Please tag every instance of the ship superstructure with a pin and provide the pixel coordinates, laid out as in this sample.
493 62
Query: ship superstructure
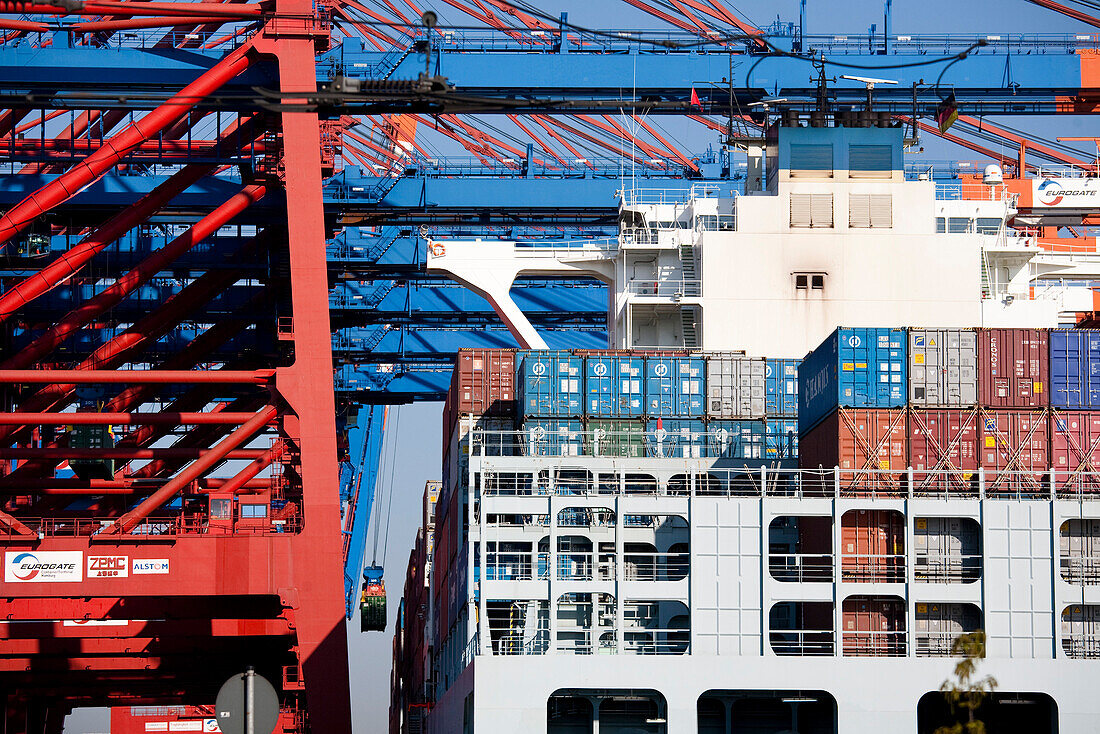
645 569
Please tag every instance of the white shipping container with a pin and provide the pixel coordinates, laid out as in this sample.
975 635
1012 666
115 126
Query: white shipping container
943 367
736 386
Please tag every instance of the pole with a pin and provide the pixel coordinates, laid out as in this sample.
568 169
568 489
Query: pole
249 700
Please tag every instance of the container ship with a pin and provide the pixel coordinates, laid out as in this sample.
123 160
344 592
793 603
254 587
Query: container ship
846 419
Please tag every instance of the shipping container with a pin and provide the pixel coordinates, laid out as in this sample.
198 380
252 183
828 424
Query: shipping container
675 386
736 386
782 387
553 437
486 435
943 367
1015 446
613 386
1081 631
744 439
551 384
1075 368
852 368
1079 550
872 546
781 438
1013 368
614 437
947 549
937 624
873 626
869 446
943 450
672 438
1075 450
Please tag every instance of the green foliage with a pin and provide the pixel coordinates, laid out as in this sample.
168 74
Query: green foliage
966 692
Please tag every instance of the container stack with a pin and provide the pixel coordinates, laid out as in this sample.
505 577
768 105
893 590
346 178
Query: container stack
1017 404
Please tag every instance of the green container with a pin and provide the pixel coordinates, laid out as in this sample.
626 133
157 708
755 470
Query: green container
614 437
372 614
92 437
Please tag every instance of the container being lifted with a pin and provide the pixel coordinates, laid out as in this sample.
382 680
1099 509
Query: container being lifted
372 604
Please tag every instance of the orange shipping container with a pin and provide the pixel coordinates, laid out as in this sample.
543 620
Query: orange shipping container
1075 450
869 446
943 450
1015 446
483 383
872 546
874 626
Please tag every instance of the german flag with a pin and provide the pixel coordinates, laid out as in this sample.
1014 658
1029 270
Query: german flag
947 113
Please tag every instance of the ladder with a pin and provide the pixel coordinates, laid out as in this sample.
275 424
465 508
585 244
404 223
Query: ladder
689 328
689 275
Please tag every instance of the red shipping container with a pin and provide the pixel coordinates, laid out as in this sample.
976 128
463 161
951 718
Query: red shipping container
868 445
1013 368
943 450
483 383
873 626
872 546
1075 450
1015 446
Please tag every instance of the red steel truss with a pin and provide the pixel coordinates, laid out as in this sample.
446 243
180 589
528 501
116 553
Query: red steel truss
132 576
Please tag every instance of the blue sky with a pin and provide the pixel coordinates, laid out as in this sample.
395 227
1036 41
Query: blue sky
419 438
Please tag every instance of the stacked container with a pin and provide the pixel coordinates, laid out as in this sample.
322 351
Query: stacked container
614 407
943 398
974 401
482 397
781 408
551 400
1013 398
851 407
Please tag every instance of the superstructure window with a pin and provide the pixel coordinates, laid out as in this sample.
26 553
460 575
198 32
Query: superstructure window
812 210
811 161
958 225
988 225
870 211
809 281
253 511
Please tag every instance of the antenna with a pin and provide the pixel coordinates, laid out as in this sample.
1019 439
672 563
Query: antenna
870 81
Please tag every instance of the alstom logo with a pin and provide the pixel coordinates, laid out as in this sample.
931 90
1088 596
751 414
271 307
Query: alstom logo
43 566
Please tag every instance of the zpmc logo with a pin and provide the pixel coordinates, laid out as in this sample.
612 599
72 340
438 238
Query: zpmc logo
1050 193
25 566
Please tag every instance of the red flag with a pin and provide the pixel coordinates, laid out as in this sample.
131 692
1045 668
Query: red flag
695 98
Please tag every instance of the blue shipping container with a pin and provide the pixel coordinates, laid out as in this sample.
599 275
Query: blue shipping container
550 383
676 439
853 368
553 437
736 439
782 439
613 386
1075 368
675 386
781 378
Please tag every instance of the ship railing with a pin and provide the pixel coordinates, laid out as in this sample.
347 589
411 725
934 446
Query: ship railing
656 641
1051 171
174 525
1081 647
799 567
947 568
877 644
1083 570
674 289
935 644
804 643
512 641
508 566
648 566
883 568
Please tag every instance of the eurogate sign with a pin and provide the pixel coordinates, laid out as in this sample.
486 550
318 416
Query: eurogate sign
1065 193
43 566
